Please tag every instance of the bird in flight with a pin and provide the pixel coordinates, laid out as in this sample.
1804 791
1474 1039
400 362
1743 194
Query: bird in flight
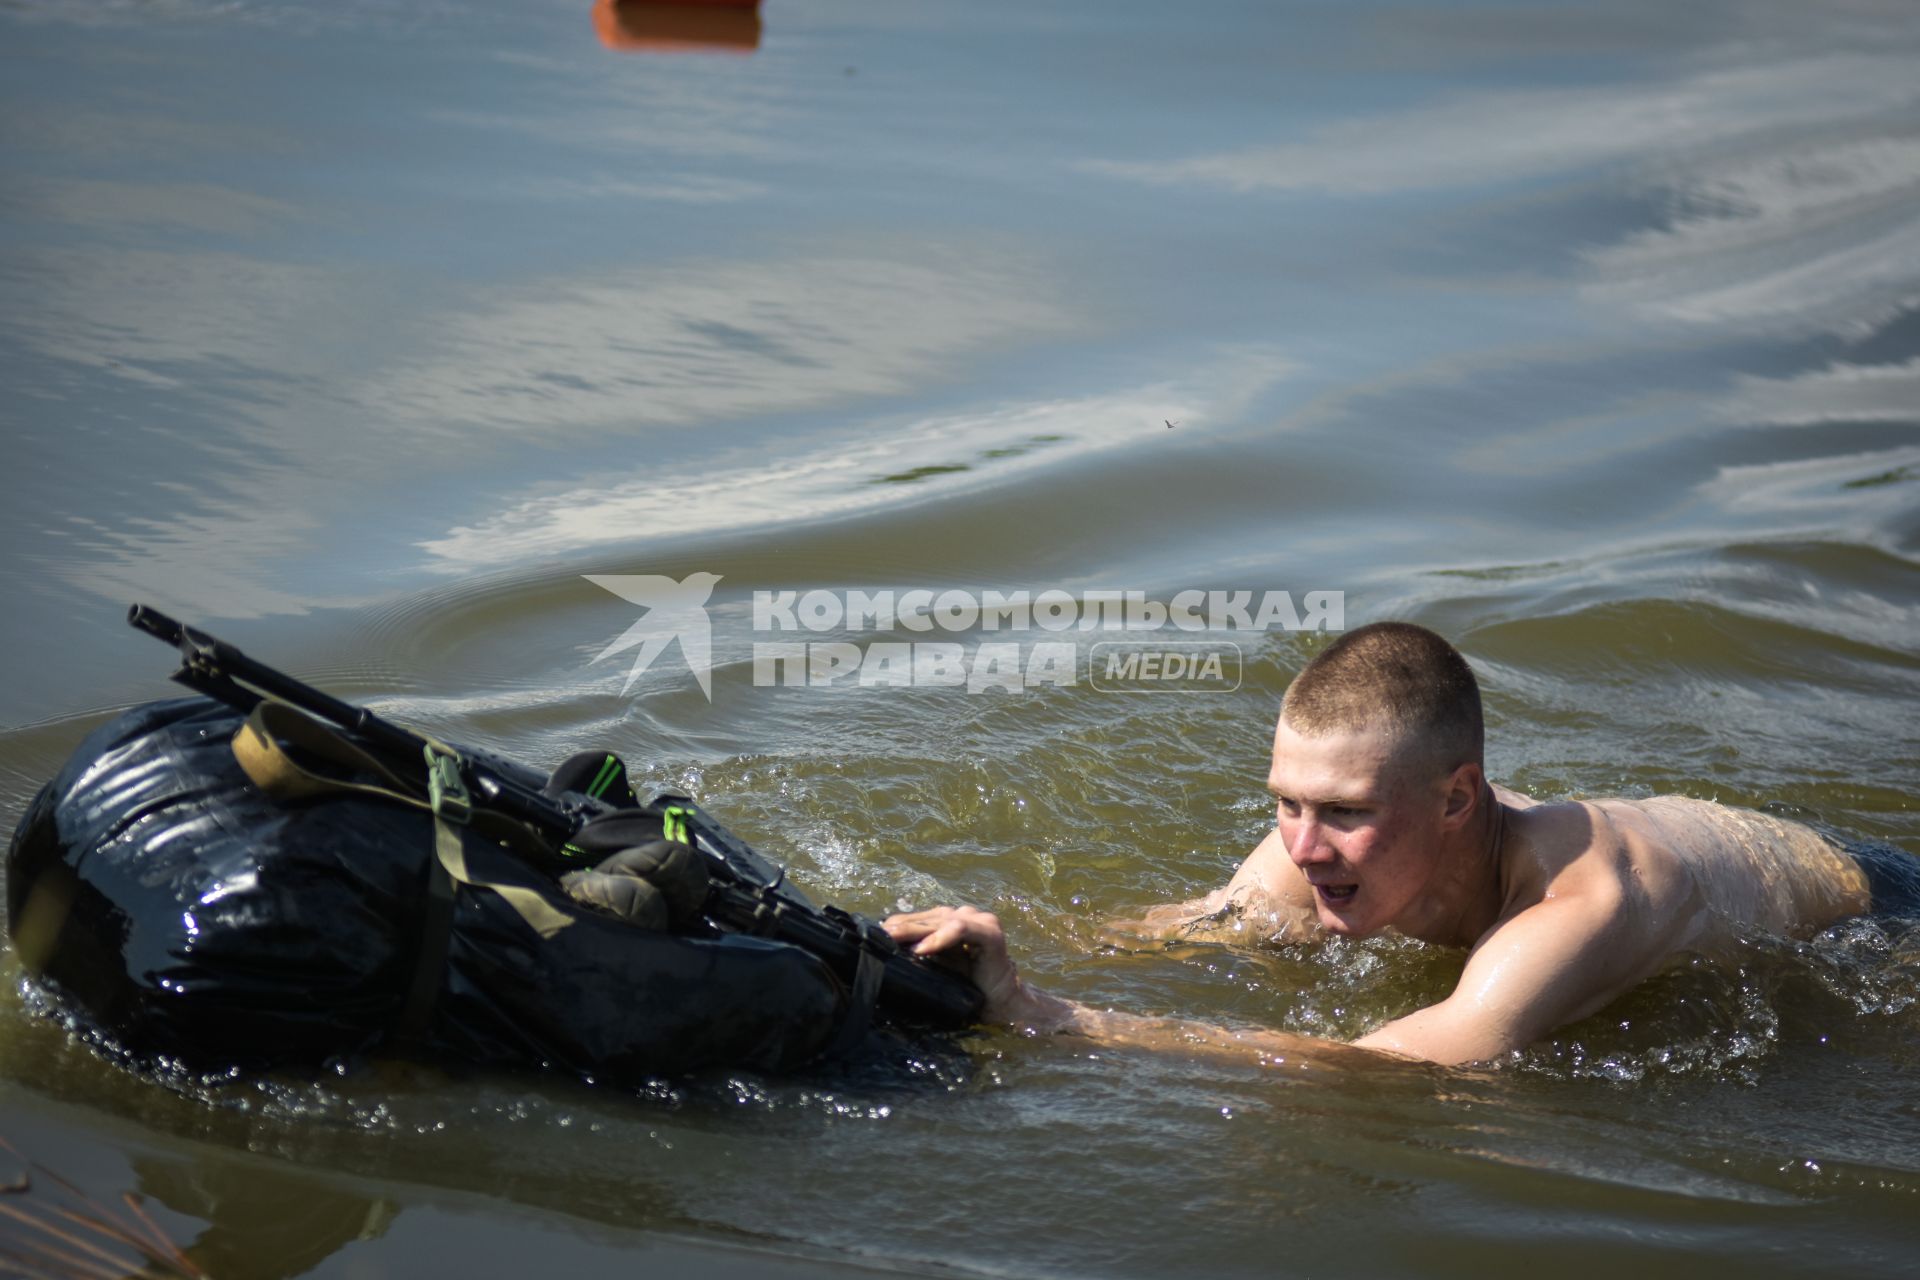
1170 425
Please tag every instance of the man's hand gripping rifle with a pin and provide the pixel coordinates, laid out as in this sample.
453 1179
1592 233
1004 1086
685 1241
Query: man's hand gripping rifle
746 894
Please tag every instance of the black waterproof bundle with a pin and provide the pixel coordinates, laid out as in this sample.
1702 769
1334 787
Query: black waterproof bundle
166 899
277 877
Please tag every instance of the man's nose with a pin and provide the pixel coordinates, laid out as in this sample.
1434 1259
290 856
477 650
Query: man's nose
1306 845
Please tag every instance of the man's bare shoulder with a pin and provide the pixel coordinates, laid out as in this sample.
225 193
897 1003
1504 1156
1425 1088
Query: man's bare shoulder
1583 919
1267 900
1551 838
1512 799
1576 852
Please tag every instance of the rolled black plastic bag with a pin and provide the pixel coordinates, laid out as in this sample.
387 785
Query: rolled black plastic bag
156 893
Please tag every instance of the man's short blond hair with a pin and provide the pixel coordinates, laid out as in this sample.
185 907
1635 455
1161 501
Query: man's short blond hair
1398 677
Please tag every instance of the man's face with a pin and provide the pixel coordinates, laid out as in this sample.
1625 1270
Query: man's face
1359 822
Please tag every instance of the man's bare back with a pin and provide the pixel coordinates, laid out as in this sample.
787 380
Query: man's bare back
1751 871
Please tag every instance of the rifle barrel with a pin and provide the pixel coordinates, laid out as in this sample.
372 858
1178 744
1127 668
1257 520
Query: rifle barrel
203 655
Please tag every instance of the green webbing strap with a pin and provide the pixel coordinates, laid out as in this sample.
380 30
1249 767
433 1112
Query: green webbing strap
673 824
542 916
609 770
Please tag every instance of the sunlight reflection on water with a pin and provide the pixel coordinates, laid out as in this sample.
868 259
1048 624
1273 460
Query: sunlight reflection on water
1583 333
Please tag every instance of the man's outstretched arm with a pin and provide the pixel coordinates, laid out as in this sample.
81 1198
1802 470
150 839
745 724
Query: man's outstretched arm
1549 965
1011 1001
1553 963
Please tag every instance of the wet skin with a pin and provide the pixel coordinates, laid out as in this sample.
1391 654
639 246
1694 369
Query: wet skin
1564 907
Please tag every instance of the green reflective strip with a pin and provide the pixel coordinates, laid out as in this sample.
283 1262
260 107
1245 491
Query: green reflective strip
605 776
673 824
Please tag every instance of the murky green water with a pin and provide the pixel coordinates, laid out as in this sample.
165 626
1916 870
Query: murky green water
1583 333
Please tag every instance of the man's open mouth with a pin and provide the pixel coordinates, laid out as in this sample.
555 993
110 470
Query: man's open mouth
1337 892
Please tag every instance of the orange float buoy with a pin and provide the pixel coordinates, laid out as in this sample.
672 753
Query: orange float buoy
687 26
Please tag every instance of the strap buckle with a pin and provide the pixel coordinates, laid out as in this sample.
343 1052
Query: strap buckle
446 791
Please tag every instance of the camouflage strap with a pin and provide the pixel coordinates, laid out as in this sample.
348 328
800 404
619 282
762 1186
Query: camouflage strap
257 746
261 746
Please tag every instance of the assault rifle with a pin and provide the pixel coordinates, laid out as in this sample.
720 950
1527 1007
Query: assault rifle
747 894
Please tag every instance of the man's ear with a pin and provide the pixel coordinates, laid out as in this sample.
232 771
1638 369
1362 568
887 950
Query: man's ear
1462 796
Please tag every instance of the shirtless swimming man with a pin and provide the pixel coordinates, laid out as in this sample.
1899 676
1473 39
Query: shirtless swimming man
1386 820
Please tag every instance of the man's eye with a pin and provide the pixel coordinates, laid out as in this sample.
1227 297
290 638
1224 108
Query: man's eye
1287 805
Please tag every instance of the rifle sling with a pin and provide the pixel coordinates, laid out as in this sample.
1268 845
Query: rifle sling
261 747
